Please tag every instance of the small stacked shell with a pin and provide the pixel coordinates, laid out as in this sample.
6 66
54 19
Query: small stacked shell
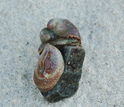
64 28
49 69
59 32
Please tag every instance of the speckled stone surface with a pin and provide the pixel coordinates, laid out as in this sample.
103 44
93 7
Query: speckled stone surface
101 25
69 81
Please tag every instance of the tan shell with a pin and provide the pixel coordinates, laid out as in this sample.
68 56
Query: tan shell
49 69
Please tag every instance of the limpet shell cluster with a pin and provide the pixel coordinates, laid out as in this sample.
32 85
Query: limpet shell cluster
61 58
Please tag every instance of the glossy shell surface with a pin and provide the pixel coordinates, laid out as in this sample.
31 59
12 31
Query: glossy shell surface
64 27
59 68
49 69
59 32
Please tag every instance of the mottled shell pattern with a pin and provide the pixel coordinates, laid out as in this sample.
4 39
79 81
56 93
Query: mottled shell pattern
50 68
59 32
64 28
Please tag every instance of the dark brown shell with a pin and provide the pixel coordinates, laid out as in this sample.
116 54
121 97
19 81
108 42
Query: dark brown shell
63 27
50 68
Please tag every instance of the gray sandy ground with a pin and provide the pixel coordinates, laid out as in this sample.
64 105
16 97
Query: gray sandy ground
101 25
